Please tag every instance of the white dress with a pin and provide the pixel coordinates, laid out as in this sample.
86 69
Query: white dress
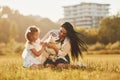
28 57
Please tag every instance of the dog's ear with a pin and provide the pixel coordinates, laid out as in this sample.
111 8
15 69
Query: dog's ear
53 34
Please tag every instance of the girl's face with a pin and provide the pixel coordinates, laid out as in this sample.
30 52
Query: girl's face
35 36
62 33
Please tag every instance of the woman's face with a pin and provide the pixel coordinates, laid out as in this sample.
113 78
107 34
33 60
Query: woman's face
62 33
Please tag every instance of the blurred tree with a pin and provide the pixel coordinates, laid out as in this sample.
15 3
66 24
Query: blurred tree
13 23
90 35
109 29
4 24
8 30
6 10
13 31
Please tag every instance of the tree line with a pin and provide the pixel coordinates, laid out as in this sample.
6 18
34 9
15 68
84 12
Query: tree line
108 31
13 25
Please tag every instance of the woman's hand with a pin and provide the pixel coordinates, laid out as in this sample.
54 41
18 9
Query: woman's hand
52 45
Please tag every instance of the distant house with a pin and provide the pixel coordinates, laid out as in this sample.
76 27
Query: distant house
85 14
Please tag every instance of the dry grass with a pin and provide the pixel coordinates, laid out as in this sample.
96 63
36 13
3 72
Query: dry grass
100 67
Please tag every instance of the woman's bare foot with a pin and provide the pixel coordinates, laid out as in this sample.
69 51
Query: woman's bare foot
49 65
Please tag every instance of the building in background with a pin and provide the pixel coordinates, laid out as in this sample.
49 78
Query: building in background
85 14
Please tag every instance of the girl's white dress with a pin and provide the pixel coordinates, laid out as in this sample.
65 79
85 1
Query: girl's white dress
28 57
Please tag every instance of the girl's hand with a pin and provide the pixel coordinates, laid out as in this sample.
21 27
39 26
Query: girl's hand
51 45
43 44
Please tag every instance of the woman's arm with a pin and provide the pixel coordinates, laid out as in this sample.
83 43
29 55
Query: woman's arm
46 36
54 33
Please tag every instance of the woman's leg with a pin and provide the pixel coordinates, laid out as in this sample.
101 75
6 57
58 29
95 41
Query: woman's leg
61 63
63 66
49 63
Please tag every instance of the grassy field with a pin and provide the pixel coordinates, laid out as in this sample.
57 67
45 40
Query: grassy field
99 67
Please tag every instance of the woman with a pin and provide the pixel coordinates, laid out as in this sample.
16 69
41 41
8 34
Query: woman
70 44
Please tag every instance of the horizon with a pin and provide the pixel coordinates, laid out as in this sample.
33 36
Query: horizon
53 9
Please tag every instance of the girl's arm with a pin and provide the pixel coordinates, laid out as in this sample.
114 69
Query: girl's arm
37 53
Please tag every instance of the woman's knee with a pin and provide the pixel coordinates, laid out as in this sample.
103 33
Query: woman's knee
62 65
49 65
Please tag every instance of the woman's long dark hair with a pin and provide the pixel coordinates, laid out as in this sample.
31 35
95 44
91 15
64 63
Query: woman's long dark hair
75 41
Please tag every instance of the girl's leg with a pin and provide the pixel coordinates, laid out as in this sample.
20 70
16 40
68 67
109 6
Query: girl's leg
36 66
40 66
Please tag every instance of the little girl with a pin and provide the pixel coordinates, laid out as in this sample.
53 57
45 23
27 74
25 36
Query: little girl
33 48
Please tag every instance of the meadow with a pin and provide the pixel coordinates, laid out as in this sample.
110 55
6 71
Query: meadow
99 67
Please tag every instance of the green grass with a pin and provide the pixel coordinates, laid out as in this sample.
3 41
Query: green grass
99 67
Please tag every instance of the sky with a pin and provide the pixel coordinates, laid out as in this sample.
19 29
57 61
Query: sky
52 9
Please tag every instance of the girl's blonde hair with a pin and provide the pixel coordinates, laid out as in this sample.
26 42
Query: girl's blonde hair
30 32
